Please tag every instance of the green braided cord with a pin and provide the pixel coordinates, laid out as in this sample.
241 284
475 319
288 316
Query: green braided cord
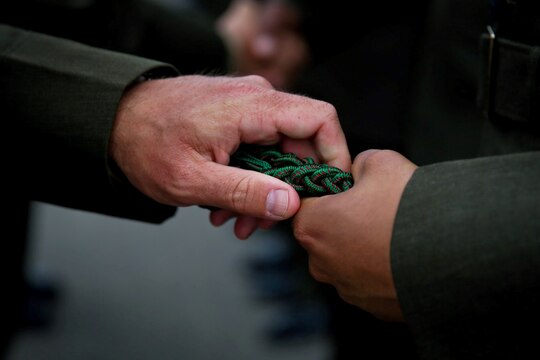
304 175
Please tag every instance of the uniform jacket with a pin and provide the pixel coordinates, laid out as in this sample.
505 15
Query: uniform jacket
465 249
61 99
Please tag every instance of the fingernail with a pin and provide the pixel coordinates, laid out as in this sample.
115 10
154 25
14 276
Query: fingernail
277 202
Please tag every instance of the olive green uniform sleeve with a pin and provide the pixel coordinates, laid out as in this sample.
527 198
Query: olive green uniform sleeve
59 100
466 257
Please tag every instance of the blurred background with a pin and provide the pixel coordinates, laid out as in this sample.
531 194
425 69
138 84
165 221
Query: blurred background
129 290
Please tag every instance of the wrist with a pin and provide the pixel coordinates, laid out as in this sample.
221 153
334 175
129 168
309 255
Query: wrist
132 92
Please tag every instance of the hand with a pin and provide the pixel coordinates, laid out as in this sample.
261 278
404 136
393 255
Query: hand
264 39
173 138
347 236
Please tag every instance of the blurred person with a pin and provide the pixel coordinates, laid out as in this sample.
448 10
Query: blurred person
264 38
124 136
243 37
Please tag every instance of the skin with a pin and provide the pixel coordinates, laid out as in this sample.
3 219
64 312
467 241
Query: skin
347 236
263 39
173 139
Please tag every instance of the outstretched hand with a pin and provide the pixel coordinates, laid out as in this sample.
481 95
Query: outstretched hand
347 236
173 138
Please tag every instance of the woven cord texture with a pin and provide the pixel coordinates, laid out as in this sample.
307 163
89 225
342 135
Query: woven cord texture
304 175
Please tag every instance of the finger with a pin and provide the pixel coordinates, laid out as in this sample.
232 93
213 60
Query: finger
298 117
301 147
331 145
245 226
220 217
247 193
317 120
265 224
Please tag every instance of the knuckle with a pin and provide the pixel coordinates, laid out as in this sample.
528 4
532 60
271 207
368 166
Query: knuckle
183 185
301 232
259 80
328 110
379 158
304 229
241 87
241 194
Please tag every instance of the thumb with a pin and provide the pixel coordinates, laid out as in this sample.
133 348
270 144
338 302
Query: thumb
249 193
